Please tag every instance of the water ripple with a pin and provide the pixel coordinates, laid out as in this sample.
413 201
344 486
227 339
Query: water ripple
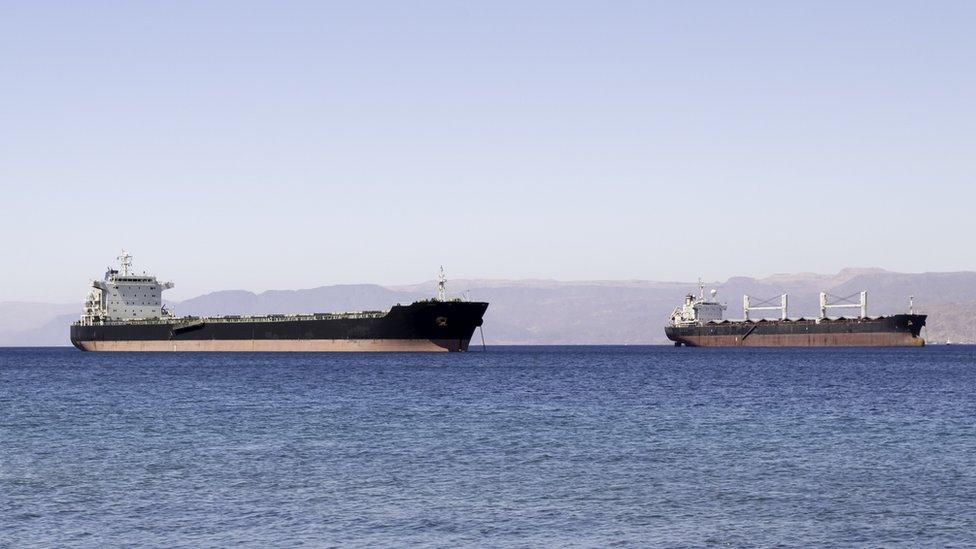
519 447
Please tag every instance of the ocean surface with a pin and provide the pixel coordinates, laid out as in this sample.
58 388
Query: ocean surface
520 447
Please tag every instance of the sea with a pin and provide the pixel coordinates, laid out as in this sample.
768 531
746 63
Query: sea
506 447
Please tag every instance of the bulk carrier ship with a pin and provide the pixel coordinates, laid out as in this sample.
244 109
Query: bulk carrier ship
125 312
700 322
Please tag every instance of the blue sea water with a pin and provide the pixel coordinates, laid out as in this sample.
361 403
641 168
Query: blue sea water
524 447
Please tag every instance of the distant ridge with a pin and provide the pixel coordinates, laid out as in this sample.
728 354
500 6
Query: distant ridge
565 312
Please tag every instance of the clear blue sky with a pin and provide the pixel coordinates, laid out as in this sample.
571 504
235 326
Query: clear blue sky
289 144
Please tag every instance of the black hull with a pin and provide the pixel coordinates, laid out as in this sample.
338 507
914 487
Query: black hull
422 326
889 331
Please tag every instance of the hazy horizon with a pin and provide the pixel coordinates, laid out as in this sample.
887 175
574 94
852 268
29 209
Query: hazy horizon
561 312
458 286
249 146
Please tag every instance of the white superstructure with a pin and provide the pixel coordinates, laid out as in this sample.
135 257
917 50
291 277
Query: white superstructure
696 311
122 295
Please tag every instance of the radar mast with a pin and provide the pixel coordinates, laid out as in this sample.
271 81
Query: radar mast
125 259
441 284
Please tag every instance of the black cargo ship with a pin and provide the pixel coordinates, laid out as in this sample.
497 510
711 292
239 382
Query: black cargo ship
124 312
421 326
886 331
700 323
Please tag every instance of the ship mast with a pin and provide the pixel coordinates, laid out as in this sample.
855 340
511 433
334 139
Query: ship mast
125 258
441 284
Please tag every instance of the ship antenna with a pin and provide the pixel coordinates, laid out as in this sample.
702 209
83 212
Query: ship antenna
701 289
441 284
125 258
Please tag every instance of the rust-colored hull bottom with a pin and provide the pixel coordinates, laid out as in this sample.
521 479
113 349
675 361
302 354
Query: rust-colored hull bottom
280 345
804 340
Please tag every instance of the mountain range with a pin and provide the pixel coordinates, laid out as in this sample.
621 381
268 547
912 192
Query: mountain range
526 312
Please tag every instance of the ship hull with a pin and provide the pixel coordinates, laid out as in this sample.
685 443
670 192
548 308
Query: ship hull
890 331
280 345
421 327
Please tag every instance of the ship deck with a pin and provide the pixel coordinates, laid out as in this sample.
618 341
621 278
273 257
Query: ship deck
242 318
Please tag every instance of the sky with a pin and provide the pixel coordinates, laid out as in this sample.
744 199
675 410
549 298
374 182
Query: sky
281 145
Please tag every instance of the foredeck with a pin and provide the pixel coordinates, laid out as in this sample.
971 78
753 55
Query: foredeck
182 320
